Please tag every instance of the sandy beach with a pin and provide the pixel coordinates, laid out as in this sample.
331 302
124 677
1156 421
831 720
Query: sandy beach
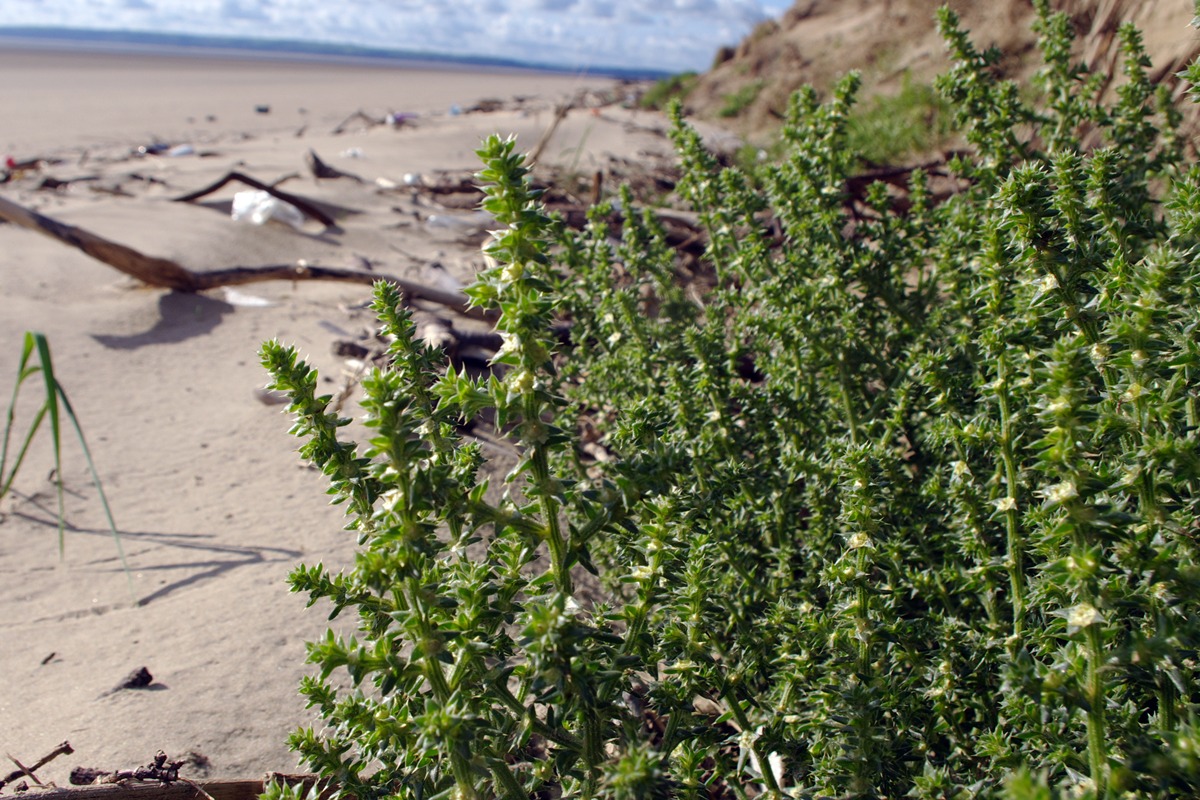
213 505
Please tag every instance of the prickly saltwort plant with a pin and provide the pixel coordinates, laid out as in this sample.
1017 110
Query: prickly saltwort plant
957 527
894 500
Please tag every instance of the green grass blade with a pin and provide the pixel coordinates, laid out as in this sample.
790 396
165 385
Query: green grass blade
37 421
52 391
23 372
87 454
37 342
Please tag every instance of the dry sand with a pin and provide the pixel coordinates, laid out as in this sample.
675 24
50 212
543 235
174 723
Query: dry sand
213 505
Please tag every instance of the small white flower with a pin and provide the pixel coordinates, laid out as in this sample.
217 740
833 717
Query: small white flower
522 381
1048 283
1006 504
961 470
1060 405
859 540
1081 616
642 572
509 343
1100 352
1060 493
1134 391
513 272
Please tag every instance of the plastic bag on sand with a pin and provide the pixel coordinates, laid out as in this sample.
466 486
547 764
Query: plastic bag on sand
257 208
459 223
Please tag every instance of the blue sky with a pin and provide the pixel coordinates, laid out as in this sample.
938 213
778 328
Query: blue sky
670 35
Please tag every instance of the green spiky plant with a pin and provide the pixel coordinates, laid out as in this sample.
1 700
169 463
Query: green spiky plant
902 502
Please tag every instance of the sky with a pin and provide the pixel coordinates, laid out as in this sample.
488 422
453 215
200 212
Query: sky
669 35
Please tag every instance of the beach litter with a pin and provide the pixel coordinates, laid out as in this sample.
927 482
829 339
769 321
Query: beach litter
399 119
459 224
260 207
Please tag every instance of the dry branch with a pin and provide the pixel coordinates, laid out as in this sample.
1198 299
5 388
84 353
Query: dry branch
306 207
63 749
357 116
167 274
560 114
321 170
178 790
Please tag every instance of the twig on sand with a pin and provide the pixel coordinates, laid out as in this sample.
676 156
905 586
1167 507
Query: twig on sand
306 207
321 170
560 114
166 274
358 116
63 749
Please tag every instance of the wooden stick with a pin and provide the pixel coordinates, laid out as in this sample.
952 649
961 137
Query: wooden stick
63 749
321 170
167 274
308 208
178 790
560 113
154 271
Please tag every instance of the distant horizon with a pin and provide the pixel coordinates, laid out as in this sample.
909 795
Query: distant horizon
617 37
35 37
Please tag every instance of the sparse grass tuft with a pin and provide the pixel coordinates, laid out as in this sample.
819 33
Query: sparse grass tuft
56 399
739 101
675 87
894 129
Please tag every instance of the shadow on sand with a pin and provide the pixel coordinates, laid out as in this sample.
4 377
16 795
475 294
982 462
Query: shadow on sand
181 316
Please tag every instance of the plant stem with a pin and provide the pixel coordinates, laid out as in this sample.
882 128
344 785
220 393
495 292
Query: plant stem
1097 748
1015 560
542 481
743 722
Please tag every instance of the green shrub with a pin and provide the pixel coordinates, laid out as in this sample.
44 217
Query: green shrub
904 505
663 92
737 102
914 122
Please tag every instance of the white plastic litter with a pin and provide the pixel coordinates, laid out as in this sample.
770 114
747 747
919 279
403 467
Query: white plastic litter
236 298
258 207
413 179
459 223
181 150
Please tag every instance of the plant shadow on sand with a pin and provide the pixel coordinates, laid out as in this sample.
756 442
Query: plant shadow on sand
147 548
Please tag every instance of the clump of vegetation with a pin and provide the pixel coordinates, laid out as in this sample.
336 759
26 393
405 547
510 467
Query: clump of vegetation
901 504
737 102
36 362
895 128
670 89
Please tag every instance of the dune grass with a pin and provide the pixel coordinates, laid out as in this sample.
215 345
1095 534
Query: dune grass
54 407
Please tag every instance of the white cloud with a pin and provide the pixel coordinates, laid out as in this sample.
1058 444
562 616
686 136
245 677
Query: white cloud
674 35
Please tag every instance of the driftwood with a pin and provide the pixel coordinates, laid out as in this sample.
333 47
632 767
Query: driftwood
167 274
22 771
560 114
321 170
176 790
358 116
305 207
